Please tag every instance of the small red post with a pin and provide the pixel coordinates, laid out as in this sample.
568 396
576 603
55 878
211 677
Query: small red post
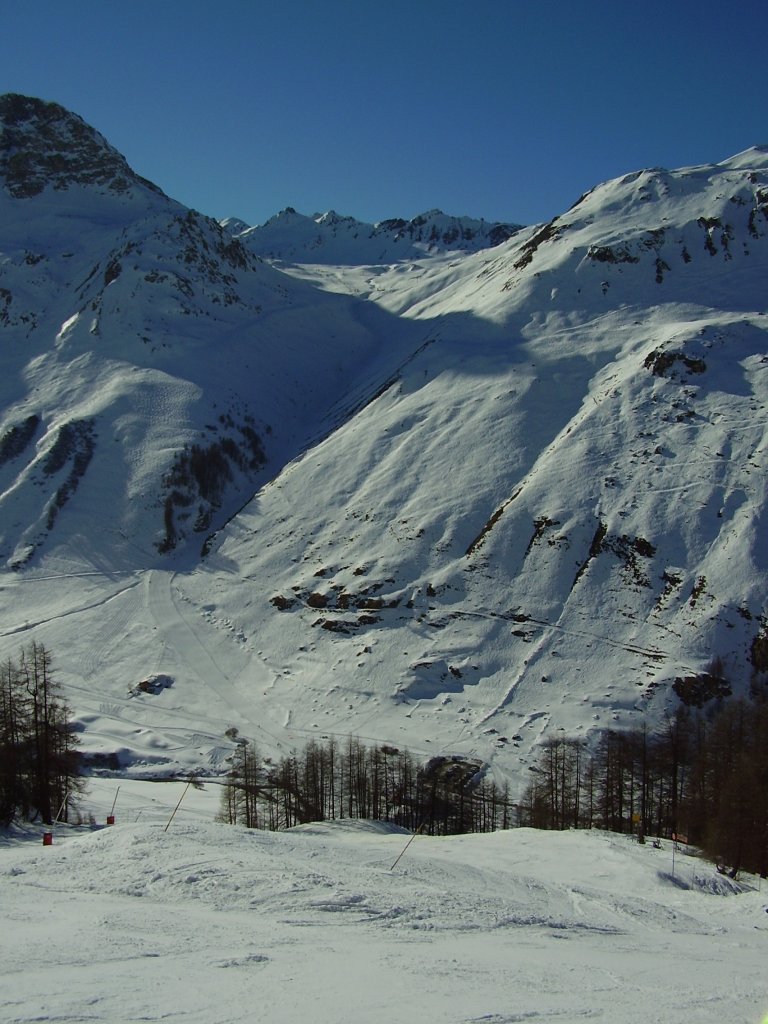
47 838
110 819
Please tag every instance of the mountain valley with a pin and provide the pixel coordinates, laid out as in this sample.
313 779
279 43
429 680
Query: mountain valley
452 485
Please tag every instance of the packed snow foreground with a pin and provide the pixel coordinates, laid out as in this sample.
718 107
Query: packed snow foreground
202 922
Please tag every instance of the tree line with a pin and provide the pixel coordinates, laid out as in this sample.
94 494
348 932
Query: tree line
329 780
39 763
702 777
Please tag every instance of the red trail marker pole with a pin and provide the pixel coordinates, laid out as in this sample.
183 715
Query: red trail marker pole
111 815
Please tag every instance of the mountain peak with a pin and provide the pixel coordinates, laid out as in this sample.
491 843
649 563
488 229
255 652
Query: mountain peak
755 156
43 145
334 238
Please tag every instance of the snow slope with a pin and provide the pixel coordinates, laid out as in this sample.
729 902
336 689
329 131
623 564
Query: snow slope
138 331
207 923
557 507
456 501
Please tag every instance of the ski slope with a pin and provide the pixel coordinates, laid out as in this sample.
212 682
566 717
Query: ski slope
210 923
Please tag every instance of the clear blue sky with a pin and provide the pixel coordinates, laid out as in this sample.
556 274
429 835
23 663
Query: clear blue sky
495 108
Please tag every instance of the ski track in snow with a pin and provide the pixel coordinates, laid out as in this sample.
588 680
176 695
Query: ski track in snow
78 609
189 643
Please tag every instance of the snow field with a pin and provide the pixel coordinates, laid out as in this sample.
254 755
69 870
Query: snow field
210 923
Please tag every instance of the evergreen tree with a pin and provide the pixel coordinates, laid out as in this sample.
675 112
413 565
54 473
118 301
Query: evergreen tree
39 763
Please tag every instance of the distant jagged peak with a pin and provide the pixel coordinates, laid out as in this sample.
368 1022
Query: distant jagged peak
288 214
443 231
331 218
42 145
234 225
332 237
281 219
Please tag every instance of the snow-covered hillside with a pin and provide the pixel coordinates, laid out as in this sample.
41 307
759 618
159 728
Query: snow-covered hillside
455 501
207 922
155 370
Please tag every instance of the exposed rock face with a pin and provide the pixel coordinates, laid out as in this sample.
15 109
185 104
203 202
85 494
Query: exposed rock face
43 145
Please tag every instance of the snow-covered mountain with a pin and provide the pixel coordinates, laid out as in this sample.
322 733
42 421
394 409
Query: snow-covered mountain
453 500
328 238
156 371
